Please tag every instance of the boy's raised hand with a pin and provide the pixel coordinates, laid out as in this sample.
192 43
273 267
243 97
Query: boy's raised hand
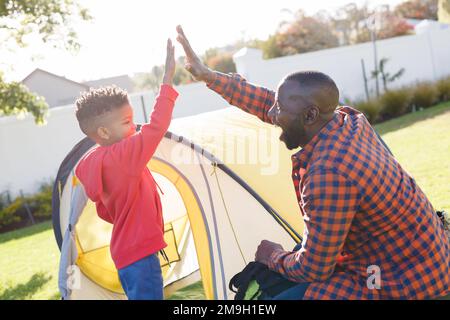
193 63
169 70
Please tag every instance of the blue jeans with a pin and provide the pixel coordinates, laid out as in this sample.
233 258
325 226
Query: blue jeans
294 293
143 279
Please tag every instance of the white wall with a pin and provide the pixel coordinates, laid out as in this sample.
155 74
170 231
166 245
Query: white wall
424 56
193 99
30 154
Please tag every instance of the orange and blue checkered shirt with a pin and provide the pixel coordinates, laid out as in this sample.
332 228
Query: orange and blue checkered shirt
362 212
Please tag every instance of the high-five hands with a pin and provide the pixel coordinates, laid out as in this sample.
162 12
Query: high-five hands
193 63
169 70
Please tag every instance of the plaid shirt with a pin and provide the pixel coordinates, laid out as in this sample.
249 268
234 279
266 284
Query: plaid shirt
363 212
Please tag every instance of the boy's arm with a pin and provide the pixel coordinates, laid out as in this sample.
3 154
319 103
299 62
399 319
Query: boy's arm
233 88
135 152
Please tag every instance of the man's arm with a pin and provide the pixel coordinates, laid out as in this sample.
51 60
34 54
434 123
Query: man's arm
330 204
233 88
246 96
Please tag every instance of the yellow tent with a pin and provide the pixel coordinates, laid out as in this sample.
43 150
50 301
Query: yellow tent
226 183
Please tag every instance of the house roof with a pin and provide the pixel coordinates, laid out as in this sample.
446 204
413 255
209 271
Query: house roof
56 76
123 81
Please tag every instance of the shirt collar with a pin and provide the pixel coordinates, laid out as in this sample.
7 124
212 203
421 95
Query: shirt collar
304 155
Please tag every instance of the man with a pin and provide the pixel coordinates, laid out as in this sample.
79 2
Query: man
370 232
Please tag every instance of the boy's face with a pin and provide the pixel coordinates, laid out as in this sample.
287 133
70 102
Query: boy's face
119 124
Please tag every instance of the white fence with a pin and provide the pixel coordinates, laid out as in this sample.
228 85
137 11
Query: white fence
424 56
30 154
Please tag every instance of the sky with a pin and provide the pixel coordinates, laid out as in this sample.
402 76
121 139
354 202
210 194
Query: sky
130 36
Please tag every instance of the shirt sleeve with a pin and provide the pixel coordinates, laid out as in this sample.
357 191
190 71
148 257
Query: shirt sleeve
248 97
133 153
330 202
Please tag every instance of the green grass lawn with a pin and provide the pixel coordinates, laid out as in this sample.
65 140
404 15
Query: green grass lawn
29 257
421 143
29 261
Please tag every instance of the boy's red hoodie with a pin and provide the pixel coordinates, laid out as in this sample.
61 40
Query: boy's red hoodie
117 179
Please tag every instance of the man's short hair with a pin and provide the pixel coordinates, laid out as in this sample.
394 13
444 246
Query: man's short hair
92 104
327 93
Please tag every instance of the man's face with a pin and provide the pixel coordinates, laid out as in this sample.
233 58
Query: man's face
287 113
119 124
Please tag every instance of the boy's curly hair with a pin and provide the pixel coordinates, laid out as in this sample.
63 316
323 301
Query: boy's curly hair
92 104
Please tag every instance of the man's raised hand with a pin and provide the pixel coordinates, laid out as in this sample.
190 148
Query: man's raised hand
169 70
193 63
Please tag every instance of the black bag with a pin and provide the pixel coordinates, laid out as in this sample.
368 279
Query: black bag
269 283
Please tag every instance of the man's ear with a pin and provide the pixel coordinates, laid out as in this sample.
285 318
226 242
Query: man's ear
103 133
311 115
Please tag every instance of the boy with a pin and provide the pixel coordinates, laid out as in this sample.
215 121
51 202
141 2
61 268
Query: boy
116 178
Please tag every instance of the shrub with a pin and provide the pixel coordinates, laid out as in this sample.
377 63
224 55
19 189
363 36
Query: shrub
370 108
41 202
8 214
14 215
443 88
394 103
424 95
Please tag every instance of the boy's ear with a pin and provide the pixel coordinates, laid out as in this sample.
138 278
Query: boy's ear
103 133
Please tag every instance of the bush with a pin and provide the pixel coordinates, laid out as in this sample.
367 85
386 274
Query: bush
14 215
370 108
394 103
443 88
41 202
8 214
424 95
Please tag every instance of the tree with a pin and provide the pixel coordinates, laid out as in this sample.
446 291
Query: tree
152 80
418 9
149 81
15 99
387 25
219 60
390 25
303 34
51 22
349 23
444 11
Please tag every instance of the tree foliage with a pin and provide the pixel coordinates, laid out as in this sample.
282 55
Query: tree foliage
302 34
349 22
15 99
51 21
418 9
348 25
217 59
354 24
220 60
444 11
